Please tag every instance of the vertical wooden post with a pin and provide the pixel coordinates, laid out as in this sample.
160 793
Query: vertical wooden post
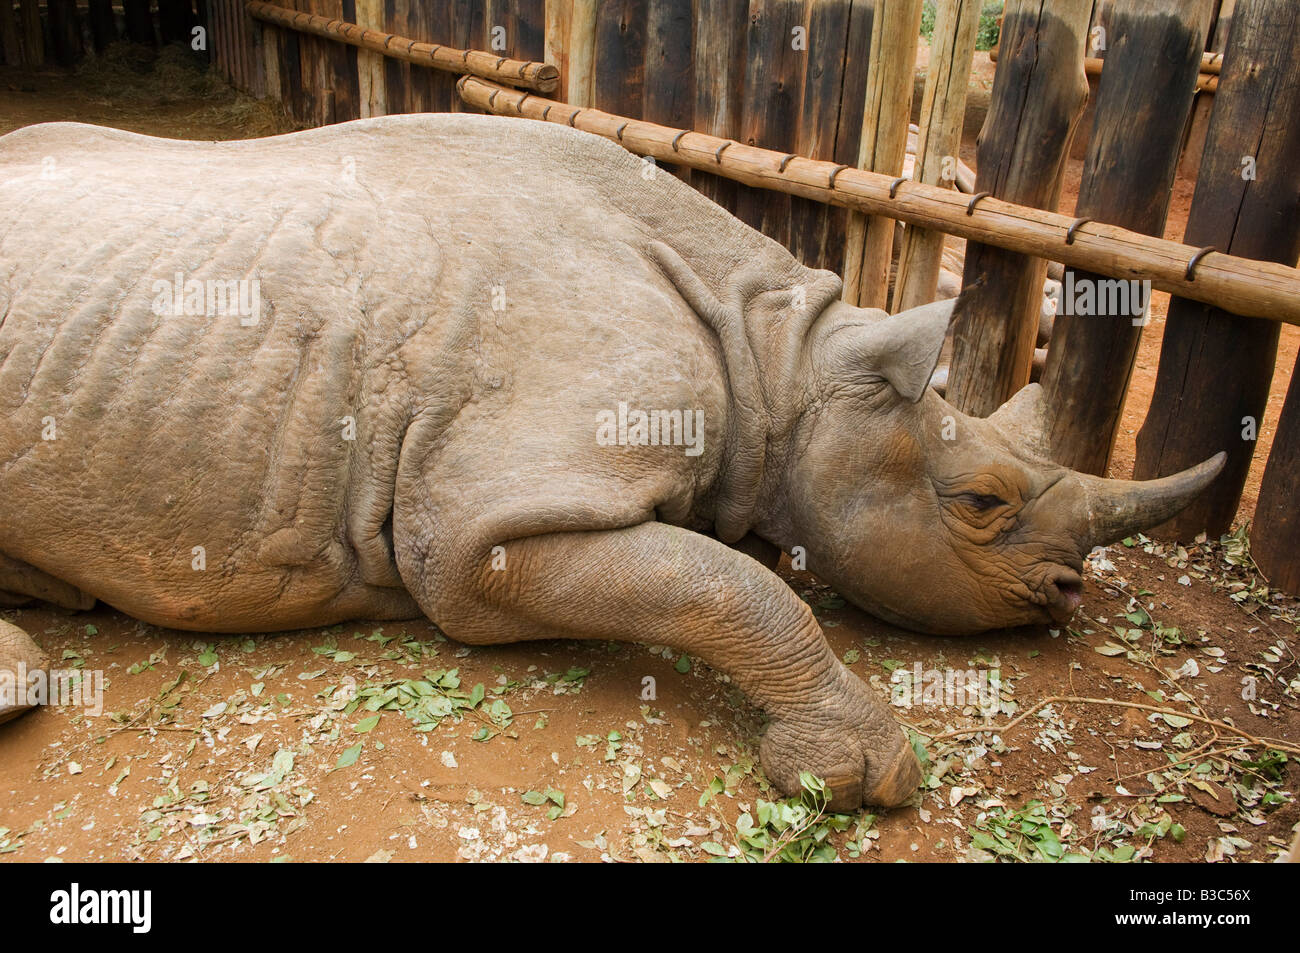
618 82
291 74
774 75
582 53
173 20
1194 137
817 230
103 24
1143 100
370 65
1215 367
139 21
31 34
1039 93
720 44
10 48
65 30
870 241
1275 534
943 108
270 42
559 19
669 64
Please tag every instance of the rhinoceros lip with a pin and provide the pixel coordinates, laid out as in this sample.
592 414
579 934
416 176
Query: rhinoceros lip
1064 594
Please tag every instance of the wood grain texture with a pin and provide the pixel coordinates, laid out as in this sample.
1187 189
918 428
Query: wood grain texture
1039 93
1216 366
890 82
943 110
1248 286
1143 101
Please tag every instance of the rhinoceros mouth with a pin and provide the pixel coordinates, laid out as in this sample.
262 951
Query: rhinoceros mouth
1062 594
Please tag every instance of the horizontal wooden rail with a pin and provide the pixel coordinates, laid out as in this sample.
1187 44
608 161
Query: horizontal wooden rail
1241 285
542 77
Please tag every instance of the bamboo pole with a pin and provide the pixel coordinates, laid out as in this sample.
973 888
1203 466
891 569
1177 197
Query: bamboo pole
539 76
890 80
1257 288
943 108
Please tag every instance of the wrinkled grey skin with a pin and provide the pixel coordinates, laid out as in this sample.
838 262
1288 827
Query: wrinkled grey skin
473 292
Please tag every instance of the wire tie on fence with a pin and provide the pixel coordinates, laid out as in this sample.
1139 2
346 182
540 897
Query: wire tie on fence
492 100
786 161
893 186
835 172
500 61
523 70
717 156
388 39
1196 260
433 50
970 209
1074 227
546 112
678 138
519 106
410 46
574 116
619 132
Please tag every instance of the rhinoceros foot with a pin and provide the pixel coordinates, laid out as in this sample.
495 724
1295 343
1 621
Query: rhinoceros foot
20 659
860 765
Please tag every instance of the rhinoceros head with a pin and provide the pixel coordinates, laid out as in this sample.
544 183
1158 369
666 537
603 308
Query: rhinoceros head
934 520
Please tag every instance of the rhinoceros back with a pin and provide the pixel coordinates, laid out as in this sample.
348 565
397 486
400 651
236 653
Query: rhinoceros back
211 353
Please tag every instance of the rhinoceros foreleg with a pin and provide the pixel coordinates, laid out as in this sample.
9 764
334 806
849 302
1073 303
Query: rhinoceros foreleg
20 659
666 585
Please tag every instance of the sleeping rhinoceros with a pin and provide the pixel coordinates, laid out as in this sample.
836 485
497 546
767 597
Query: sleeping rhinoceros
512 377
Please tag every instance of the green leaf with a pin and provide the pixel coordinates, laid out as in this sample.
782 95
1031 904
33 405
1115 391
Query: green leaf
536 798
349 757
683 664
366 724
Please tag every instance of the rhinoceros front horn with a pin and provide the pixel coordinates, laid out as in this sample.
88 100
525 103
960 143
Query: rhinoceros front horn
1119 508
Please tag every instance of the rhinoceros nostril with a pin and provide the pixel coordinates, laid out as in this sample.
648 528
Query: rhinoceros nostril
1064 596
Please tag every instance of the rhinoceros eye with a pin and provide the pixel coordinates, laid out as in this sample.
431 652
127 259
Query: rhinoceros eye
983 502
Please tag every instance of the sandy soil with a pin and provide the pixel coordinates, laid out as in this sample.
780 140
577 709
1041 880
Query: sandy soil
231 748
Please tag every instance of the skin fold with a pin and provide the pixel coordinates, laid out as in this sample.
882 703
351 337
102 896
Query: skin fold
449 310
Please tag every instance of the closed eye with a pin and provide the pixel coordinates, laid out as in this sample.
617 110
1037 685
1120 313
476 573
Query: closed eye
983 502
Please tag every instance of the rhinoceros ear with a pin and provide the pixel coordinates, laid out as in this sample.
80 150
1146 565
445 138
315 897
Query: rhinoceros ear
1024 419
904 348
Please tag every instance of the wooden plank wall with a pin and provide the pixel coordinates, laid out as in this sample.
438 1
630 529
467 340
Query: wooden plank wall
786 74
35 33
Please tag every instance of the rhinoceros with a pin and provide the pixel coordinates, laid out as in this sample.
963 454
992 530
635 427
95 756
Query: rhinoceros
511 377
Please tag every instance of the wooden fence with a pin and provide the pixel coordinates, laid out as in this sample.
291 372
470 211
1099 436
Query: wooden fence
61 32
